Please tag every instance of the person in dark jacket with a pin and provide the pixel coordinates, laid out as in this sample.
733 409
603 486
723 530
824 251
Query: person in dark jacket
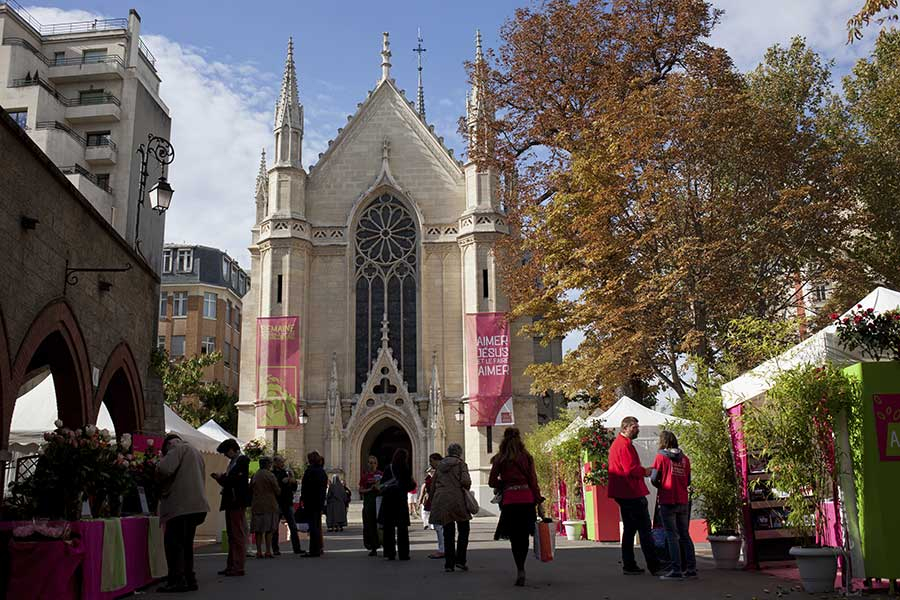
288 485
235 482
627 488
395 485
312 493
671 473
512 471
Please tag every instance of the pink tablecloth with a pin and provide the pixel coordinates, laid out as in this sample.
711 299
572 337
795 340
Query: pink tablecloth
137 563
44 570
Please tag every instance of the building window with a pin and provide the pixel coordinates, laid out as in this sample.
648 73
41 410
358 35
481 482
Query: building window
179 304
160 342
20 117
226 354
208 344
226 268
819 293
102 181
92 96
59 58
237 318
278 290
185 262
484 283
237 360
162 305
386 260
167 261
177 346
98 138
228 311
94 56
209 305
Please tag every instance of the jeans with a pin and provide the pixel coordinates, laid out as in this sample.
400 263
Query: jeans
179 544
677 519
236 529
439 530
636 519
455 551
287 512
402 541
315 533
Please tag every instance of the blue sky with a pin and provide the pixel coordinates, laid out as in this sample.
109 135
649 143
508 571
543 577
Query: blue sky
221 65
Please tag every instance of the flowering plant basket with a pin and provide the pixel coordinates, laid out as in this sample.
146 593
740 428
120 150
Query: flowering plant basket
596 441
255 448
876 334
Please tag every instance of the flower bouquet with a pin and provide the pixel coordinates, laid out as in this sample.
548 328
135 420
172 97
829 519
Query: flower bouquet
876 334
596 441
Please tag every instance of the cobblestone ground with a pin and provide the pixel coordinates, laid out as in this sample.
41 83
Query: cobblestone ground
581 570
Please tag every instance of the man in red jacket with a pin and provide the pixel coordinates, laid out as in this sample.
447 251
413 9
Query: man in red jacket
627 488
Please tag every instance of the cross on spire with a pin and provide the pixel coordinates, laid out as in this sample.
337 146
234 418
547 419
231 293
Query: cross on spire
420 95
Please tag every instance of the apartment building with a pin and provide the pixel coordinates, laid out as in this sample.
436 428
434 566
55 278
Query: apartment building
88 94
200 308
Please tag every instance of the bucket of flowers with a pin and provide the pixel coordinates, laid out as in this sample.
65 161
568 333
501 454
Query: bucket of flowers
596 441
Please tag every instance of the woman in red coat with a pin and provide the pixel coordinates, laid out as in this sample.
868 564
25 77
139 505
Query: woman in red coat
512 471
671 473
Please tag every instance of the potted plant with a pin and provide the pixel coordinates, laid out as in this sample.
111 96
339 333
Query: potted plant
595 443
705 437
794 430
568 454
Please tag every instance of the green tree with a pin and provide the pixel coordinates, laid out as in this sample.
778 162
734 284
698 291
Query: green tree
195 400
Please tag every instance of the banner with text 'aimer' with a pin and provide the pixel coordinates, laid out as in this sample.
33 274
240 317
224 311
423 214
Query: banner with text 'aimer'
490 383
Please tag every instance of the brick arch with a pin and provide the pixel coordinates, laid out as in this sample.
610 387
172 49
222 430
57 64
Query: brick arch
54 339
121 390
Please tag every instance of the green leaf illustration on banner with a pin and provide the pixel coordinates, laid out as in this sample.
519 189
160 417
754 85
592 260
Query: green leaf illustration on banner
281 406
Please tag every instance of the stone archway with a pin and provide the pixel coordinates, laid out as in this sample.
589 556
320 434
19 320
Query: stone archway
382 439
363 433
54 340
120 389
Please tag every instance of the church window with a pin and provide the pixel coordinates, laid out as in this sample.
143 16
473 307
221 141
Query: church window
484 283
386 263
278 290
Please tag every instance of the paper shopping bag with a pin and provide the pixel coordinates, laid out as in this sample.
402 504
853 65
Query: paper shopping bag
544 541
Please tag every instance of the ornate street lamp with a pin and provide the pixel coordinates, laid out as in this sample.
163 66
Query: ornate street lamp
160 195
304 418
460 415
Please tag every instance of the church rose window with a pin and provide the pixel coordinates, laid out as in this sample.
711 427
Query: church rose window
386 280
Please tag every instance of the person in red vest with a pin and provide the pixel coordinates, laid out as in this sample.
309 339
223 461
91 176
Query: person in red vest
671 473
627 488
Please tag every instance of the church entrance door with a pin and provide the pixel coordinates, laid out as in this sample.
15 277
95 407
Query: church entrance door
382 440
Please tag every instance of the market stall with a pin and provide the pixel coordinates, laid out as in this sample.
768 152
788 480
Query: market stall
867 531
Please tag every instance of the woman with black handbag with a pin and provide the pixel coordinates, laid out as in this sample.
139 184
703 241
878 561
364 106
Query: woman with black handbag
512 471
394 514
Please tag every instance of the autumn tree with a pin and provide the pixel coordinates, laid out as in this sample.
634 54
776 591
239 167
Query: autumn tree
189 395
670 193
881 11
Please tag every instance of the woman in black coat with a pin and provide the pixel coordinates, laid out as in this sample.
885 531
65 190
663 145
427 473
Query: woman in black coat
312 494
394 516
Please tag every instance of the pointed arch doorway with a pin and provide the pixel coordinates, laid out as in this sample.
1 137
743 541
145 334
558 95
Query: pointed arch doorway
382 439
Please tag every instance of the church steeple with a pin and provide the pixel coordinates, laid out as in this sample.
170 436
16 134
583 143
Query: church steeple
420 94
477 110
288 115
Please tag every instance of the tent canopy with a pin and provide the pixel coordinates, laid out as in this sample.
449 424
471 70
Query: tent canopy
823 347
36 411
217 432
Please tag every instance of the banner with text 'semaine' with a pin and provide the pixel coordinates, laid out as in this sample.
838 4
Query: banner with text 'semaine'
277 372
490 383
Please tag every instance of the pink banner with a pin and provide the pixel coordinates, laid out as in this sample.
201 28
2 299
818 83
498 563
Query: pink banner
277 372
490 384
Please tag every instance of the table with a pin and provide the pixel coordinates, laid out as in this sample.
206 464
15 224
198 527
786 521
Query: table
89 556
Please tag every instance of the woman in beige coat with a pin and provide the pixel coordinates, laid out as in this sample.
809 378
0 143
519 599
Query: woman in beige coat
448 506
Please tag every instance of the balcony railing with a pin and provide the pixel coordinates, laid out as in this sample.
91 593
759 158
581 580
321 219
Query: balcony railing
99 142
88 60
61 127
63 28
142 47
79 170
86 100
14 41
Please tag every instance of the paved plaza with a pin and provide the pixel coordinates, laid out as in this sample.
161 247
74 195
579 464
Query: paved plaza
581 570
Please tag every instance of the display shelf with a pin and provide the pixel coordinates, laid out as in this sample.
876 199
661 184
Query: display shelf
779 503
772 534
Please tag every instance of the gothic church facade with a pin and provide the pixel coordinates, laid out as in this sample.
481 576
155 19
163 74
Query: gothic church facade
380 249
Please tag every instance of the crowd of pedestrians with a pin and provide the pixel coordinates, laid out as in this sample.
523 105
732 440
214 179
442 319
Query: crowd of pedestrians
392 497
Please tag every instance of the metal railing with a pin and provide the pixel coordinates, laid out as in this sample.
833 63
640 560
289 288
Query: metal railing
63 28
88 60
61 127
14 41
86 100
145 51
100 141
77 169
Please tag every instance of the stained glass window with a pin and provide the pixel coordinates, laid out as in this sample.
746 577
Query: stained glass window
386 279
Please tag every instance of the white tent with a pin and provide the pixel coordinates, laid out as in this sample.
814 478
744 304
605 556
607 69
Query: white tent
217 432
818 349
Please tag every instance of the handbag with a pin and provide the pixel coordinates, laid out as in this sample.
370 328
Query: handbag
469 497
545 540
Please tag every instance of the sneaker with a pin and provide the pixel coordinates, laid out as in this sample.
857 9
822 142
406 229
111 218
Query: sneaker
462 567
690 574
633 571
448 569
672 575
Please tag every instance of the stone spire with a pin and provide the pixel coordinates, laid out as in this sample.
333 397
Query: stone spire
385 57
420 94
436 409
476 108
288 116
262 188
